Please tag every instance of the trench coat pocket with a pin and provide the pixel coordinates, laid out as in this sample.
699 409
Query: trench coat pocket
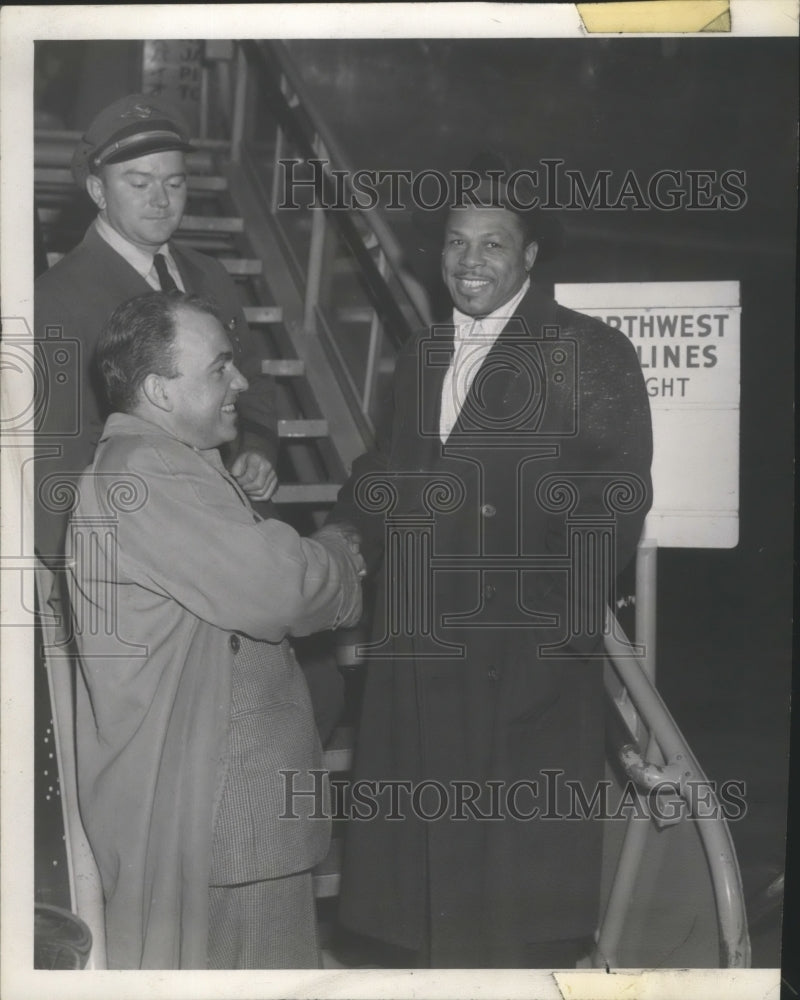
273 817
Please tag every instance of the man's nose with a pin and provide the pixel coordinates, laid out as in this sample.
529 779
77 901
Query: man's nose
159 195
239 382
472 254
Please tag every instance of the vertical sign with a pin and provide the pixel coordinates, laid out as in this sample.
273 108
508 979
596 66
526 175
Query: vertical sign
686 335
173 70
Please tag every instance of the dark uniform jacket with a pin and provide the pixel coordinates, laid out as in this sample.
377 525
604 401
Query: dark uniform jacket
551 452
72 302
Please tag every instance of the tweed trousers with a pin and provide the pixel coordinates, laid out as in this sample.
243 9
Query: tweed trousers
261 901
263 925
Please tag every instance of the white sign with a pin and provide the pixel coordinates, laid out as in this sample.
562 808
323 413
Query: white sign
686 335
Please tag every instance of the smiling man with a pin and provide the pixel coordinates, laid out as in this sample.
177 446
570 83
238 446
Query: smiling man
509 427
131 162
190 703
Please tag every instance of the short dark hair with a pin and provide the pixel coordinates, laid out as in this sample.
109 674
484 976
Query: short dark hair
139 340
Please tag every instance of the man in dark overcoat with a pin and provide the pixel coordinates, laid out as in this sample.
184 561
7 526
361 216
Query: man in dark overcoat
508 487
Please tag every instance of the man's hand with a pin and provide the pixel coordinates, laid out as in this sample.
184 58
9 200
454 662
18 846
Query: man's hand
350 536
254 473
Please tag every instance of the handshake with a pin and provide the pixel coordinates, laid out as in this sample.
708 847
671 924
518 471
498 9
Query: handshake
256 476
344 538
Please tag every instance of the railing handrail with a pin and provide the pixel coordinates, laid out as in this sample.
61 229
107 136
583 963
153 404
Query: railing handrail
383 232
303 123
713 830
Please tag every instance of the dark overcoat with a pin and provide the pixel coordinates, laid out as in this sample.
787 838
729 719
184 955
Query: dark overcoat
72 303
485 671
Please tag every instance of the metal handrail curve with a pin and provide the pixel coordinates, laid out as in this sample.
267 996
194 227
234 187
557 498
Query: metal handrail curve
302 124
382 231
683 770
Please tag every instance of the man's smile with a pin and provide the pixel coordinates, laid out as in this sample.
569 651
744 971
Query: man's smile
475 283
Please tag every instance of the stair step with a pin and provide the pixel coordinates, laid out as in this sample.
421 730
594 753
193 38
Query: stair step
338 755
327 876
307 493
337 761
263 314
284 367
355 314
206 182
62 177
48 214
346 655
211 224
241 266
302 428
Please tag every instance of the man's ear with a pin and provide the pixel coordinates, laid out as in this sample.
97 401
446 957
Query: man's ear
531 250
156 391
96 190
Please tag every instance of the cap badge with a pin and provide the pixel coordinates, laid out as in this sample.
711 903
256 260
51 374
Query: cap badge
138 111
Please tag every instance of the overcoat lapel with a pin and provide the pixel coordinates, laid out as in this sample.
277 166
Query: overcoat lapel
191 274
504 382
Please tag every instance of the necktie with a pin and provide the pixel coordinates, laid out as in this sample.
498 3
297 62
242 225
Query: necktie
165 279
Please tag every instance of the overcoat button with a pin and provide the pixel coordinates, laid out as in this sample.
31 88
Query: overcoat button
492 673
235 643
488 510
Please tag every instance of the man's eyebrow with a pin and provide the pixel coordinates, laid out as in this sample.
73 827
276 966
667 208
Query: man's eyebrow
222 356
150 173
492 234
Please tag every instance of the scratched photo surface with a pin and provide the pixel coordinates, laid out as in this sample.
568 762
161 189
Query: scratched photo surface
656 179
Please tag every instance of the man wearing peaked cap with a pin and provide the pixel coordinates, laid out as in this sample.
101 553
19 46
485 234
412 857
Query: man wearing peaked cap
131 162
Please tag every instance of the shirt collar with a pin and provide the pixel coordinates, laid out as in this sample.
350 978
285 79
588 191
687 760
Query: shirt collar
140 260
463 323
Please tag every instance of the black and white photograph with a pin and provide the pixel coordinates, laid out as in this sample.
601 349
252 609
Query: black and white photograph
398 499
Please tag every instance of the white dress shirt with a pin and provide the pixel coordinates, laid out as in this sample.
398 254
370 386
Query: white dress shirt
474 338
140 260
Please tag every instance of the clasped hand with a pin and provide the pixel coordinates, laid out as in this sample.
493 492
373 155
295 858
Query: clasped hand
351 537
254 473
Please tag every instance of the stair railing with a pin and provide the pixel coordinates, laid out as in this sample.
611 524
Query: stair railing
668 762
391 303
